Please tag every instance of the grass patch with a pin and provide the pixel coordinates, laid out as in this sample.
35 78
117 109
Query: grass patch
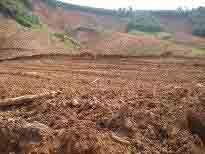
63 38
159 35
198 51
145 22
40 28
140 33
149 50
56 36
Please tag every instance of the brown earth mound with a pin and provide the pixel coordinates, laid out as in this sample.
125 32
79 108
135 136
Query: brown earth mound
7 28
27 40
16 42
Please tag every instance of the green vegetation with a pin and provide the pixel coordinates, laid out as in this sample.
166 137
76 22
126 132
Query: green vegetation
147 21
198 21
52 3
149 49
198 51
26 20
177 13
159 35
20 10
144 23
67 41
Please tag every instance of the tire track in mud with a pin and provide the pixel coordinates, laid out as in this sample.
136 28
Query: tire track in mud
132 71
113 73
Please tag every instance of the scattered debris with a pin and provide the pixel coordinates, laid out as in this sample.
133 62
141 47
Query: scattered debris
75 102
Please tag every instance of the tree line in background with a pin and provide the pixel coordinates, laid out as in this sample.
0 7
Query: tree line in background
147 20
197 17
143 20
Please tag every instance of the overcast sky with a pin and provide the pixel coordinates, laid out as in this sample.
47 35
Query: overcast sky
139 4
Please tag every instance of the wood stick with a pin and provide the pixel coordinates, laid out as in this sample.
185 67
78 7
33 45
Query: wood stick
119 139
27 98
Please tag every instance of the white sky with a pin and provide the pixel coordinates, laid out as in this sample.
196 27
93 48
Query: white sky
139 4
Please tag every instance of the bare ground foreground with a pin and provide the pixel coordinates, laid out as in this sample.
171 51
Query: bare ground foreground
101 105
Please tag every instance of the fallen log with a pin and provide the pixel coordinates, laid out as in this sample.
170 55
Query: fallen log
26 99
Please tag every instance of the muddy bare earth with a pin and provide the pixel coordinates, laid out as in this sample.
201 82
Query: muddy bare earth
102 105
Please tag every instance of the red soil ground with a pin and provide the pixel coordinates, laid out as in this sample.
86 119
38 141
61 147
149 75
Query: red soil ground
142 101
121 43
176 24
106 105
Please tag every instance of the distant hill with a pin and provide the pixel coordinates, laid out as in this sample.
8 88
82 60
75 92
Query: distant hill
69 16
103 31
69 6
63 16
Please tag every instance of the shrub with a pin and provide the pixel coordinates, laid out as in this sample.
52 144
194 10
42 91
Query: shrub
20 10
26 19
198 29
198 21
145 23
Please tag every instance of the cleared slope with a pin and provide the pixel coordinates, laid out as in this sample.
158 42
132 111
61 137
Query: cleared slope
117 43
59 18
19 42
